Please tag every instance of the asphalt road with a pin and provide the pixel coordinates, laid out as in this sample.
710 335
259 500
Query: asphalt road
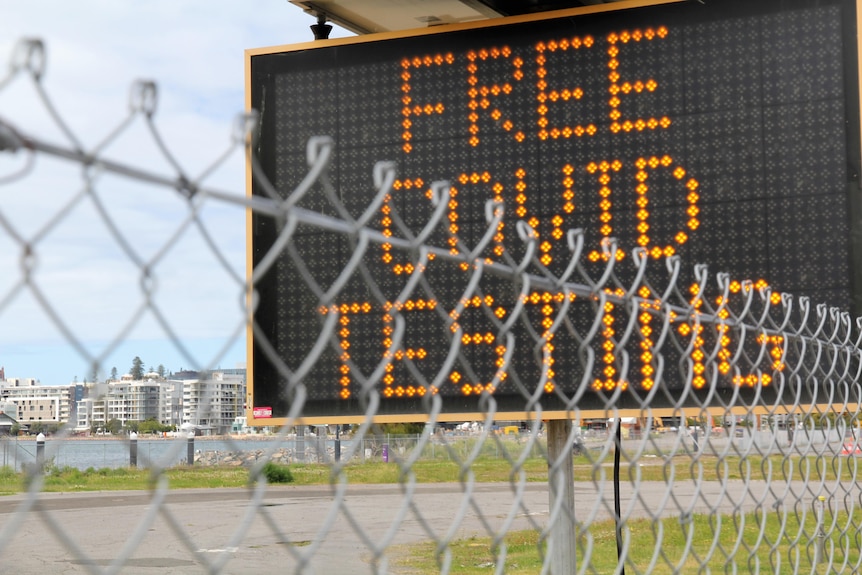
293 529
191 531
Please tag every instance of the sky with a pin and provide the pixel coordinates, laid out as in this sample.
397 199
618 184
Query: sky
73 255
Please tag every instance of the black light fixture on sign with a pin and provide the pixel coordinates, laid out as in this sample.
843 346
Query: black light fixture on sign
321 30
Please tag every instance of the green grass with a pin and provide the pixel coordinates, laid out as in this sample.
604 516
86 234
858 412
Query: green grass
435 471
748 544
485 469
745 543
69 479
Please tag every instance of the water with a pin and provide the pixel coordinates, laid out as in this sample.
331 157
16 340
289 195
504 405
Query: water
113 453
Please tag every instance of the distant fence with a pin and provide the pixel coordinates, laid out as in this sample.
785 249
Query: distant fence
20 453
725 498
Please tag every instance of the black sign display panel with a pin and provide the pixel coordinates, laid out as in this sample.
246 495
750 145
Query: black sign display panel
723 133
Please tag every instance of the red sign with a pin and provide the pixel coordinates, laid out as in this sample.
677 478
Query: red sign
261 412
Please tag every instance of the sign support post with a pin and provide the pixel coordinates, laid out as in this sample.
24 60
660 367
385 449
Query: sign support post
561 494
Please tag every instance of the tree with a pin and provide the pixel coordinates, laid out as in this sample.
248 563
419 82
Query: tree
113 374
113 426
137 370
152 426
46 427
161 371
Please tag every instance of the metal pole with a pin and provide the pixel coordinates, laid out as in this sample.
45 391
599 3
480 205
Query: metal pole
790 424
561 493
300 443
321 435
40 450
190 450
338 442
133 449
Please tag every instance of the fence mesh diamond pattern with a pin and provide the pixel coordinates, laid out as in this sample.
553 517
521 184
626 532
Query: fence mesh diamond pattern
735 451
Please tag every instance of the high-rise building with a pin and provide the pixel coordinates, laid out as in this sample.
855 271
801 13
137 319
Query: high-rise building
207 406
38 403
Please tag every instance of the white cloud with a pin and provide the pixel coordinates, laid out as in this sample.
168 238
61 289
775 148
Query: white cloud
95 51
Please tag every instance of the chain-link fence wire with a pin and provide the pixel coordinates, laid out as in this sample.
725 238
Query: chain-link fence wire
740 455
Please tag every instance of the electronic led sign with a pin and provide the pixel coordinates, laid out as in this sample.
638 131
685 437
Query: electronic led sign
722 133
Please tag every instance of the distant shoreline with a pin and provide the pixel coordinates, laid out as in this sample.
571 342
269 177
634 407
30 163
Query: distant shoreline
252 437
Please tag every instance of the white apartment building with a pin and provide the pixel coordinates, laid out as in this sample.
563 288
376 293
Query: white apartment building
133 401
38 403
121 400
91 413
171 403
208 406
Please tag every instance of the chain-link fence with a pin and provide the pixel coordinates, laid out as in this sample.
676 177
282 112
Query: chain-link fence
711 428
